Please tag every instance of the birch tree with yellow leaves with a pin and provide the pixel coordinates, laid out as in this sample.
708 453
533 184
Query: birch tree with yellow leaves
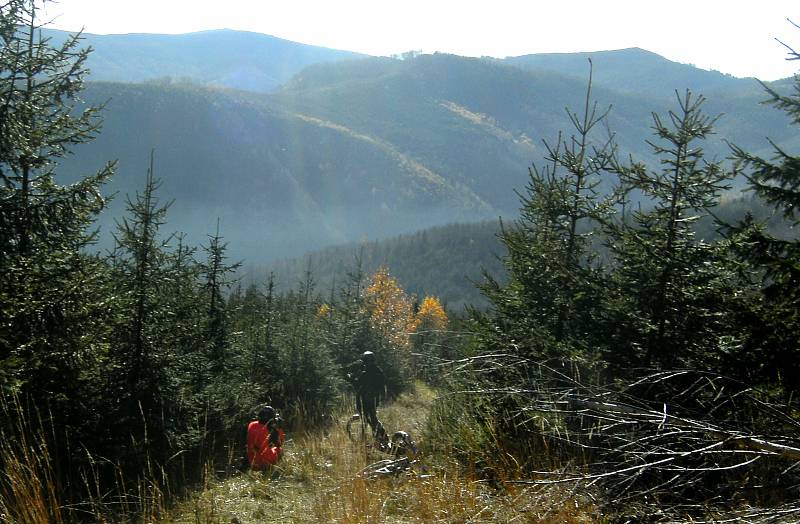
390 313
429 338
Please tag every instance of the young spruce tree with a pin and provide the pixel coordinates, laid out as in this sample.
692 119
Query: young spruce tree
147 374
545 309
217 273
52 291
771 353
667 304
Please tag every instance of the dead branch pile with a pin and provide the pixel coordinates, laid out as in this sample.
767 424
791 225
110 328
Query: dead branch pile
665 444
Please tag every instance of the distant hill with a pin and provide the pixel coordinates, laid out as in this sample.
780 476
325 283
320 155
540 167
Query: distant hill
456 99
257 62
632 70
645 75
280 183
221 58
370 148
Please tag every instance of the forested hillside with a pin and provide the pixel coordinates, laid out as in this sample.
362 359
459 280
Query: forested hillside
449 261
374 147
444 261
633 70
280 183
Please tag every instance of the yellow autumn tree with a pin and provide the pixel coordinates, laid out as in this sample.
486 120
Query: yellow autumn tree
390 310
431 324
431 315
324 310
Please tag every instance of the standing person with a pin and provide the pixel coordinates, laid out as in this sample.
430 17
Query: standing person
265 438
369 384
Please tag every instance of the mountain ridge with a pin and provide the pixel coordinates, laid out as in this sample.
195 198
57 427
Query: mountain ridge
294 56
220 57
631 69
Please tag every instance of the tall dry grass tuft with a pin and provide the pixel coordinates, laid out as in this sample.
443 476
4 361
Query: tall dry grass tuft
28 490
446 496
127 502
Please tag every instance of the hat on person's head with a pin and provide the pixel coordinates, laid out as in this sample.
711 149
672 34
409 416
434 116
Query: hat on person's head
266 413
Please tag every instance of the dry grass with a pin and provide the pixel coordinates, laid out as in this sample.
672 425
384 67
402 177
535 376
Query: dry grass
318 481
27 492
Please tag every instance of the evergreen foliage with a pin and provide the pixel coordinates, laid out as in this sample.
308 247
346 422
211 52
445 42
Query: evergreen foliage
54 312
580 349
444 261
346 328
148 359
666 304
308 375
49 287
770 353
546 308
216 273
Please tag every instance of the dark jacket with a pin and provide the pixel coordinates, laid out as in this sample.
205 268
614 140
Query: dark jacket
368 380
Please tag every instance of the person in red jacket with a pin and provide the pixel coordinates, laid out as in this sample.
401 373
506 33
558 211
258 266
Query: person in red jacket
265 438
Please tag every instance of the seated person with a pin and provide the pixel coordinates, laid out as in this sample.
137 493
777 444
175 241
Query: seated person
265 438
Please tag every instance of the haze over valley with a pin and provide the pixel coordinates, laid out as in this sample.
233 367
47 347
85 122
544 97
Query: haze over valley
295 147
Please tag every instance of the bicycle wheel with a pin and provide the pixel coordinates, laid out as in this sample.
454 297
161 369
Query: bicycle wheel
356 429
386 468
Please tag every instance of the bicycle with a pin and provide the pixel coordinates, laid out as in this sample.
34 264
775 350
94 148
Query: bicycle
404 449
387 468
377 440
400 443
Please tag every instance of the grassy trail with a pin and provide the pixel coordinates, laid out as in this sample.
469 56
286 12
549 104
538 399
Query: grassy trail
318 481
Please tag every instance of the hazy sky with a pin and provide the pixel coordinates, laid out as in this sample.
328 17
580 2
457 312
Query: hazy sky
732 36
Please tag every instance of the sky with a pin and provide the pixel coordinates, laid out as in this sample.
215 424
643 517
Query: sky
736 37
